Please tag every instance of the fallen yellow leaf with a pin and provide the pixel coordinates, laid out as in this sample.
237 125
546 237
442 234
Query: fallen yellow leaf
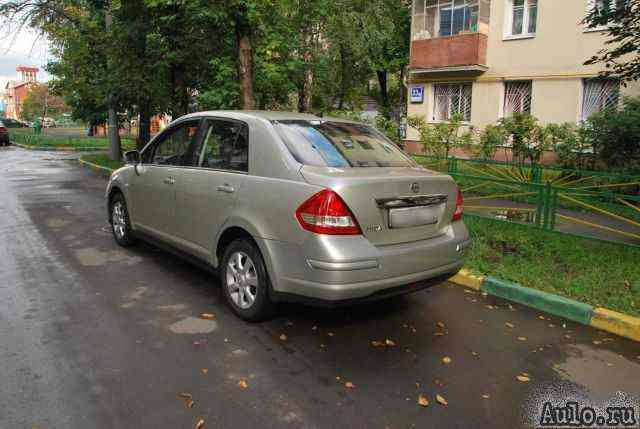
597 342
207 316
190 403
440 325
523 378
485 396
423 401
375 343
541 318
389 343
510 325
349 385
205 371
522 338
441 400
446 360
283 337
243 384
199 424
331 334
185 395
474 353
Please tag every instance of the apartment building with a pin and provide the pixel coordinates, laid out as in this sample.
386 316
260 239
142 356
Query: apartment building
485 59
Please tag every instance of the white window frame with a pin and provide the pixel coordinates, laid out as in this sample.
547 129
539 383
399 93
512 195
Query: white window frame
437 7
460 85
508 22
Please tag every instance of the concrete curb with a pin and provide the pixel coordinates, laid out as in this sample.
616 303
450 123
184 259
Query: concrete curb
59 148
600 318
95 168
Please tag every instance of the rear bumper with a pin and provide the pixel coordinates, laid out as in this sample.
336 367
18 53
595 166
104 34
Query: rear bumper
335 269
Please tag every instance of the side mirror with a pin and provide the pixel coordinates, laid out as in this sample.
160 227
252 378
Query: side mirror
132 157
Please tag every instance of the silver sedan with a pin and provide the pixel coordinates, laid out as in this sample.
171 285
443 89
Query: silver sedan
290 207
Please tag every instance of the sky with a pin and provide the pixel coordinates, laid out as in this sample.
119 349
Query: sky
22 49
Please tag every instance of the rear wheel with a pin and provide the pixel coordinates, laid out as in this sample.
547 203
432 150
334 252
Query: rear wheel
120 224
245 282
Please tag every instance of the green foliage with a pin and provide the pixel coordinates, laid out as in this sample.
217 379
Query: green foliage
526 137
440 138
615 135
590 271
621 55
491 138
40 102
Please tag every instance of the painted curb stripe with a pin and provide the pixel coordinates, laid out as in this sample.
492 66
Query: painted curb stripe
465 278
547 302
599 318
616 323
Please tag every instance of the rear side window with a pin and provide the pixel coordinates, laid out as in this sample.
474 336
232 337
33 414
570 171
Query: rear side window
225 146
340 144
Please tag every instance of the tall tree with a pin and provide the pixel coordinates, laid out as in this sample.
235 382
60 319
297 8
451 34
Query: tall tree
621 56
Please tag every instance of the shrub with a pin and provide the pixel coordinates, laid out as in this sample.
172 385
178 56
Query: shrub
526 137
439 139
491 138
615 135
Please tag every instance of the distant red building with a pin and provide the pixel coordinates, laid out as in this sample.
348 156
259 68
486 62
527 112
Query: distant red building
16 91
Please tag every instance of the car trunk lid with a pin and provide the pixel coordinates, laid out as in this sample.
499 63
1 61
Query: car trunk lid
392 205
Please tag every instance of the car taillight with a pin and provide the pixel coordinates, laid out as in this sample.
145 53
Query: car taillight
326 213
457 214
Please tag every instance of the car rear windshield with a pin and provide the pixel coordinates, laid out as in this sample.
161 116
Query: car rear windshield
340 144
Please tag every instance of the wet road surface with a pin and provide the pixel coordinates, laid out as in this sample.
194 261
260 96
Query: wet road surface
92 335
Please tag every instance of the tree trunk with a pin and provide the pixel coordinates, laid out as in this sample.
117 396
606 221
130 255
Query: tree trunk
384 95
115 151
305 99
343 76
245 62
144 128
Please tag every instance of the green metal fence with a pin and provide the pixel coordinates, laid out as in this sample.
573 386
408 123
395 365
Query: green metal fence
588 203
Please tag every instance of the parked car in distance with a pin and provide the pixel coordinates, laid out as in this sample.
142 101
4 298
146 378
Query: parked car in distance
290 207
48 123
13 123
4 135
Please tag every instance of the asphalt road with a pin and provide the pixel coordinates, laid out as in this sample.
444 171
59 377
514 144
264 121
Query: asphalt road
95 336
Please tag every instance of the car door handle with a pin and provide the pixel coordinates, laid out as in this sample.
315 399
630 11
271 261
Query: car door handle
226 188
169 181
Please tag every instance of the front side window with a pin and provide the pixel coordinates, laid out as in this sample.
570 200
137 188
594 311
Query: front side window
523 17
452 99
225 146
517 97
339 144
599 95
176 146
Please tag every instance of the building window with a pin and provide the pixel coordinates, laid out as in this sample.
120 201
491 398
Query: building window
604 9
451 99
599 95
439 18
522 18
517 97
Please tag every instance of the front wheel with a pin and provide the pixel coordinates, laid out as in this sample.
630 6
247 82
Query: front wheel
120 224
245 282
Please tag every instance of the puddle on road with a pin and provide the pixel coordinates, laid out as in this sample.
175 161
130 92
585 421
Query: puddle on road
193 325
92 257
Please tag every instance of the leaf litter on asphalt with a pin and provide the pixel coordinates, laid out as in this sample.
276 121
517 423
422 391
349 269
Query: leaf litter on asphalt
441 400
423 401
199 424
243 384
446 360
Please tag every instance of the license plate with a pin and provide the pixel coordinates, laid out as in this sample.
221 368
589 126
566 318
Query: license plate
415 216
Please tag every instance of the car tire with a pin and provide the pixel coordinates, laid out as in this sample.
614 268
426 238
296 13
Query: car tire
120 223
245 281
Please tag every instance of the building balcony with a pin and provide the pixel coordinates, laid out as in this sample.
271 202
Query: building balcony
464 52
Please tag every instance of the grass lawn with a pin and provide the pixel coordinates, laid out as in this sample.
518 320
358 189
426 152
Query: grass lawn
597 273
98 143
103 160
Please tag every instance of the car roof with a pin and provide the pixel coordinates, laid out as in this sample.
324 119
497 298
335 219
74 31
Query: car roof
265 115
